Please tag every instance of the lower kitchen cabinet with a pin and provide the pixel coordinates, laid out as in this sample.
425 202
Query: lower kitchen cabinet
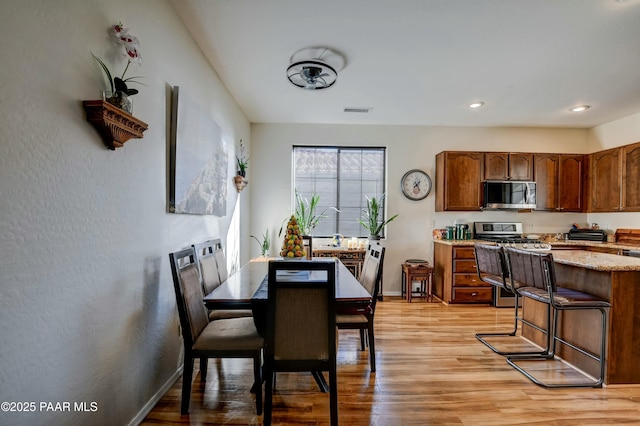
456 279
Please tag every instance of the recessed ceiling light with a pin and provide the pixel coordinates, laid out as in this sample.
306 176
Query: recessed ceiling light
476 105
580 108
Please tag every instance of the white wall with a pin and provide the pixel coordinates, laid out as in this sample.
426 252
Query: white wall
87 307
408 147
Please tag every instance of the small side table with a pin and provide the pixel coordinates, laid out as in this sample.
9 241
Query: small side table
417 270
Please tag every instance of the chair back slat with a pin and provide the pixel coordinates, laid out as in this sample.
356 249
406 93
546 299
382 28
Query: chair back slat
491 264
209 273
307 242
210 259
221 262
301 320
531 269
188 289
371 274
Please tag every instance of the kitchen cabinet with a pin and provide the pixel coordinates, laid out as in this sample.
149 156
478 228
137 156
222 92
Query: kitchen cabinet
560 182
631 178
458 180
456 278
605 180
614 179
508 166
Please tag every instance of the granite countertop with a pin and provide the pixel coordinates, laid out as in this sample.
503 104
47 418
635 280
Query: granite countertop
596 261
581 258
569 243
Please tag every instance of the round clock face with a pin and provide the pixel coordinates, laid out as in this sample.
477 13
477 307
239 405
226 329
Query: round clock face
416 184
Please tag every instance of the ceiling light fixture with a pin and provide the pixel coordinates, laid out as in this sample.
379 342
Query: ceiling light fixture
580 108
476 105
315 68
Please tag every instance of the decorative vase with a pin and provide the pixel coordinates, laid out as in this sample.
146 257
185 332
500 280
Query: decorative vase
374 237
119 99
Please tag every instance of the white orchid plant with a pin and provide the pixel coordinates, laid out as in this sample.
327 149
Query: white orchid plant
130 50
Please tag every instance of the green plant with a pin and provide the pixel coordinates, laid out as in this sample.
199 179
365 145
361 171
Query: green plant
371 214
265 244
242 160
305 213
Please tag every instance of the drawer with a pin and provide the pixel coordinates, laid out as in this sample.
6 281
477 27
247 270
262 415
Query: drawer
464 266
472 295
463 253
467 280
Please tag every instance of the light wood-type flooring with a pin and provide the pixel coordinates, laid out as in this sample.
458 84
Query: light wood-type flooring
431 370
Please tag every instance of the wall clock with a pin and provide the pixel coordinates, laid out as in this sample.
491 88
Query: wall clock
415 184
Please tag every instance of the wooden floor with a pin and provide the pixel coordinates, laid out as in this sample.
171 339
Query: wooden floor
431 370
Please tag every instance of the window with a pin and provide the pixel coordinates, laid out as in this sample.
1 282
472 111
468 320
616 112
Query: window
343 177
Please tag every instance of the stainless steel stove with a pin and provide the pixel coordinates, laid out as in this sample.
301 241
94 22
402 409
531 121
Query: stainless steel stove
506 234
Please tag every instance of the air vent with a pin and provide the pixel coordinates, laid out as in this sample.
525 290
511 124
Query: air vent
360 110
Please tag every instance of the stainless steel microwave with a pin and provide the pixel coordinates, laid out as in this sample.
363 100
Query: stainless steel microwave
508 195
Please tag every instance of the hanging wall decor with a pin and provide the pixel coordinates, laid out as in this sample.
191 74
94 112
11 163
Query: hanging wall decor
199 160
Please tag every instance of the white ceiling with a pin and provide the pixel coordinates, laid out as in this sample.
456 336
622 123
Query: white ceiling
421 62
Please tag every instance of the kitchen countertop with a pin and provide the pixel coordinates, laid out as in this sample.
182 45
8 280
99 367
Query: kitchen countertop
569 243
580 258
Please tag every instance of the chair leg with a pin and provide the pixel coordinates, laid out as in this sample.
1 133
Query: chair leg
333 394
257 380
551 356
513 333
372 347
362 339
268 395
187 374
204 363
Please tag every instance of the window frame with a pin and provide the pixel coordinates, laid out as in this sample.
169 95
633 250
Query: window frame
339 149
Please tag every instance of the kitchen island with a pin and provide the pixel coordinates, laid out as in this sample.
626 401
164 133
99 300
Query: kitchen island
613 278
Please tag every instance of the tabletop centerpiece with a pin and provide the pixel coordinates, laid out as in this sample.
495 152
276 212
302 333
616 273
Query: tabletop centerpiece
292 246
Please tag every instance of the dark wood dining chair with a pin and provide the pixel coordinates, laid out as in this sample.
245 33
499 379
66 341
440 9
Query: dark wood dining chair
301 325
362 318
307 242
228 338
209 274
533 276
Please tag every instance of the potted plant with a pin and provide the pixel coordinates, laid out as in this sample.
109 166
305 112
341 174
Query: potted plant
265 244
242 160
119 92
371 215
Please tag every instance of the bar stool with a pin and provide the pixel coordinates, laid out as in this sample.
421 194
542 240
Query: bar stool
417 270
533 276
492 269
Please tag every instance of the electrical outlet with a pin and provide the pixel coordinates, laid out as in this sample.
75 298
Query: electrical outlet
433 223
607 226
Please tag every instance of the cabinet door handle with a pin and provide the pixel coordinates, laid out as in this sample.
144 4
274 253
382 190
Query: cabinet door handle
474 294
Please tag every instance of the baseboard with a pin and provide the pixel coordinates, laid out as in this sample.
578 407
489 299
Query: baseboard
155 398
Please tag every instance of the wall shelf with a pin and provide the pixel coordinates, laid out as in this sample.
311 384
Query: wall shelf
114 125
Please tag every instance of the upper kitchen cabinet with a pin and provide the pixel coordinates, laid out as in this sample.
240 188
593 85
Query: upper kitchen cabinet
458 181
508 166
560 182
631 178
605 180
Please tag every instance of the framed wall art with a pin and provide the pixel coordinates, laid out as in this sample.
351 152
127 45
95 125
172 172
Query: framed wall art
199 159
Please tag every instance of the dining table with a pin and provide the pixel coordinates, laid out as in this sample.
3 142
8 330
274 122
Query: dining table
248 289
